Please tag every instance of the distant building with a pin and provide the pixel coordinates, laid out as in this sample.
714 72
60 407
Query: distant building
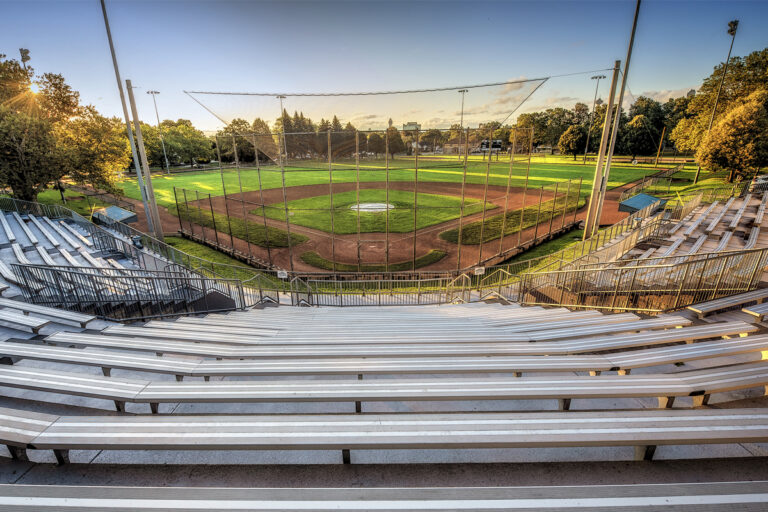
411 126
454 146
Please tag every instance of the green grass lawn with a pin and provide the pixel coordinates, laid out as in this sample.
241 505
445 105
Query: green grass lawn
315 212
543 171
75 201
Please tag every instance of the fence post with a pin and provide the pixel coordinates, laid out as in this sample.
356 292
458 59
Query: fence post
554 205
213 220
538 213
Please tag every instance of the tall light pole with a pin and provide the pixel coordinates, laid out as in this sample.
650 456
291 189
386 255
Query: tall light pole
617 118
160 129
136 164
461 122
594 104
732 26
153 212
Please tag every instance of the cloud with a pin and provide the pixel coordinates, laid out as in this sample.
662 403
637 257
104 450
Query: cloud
515 99
517 84
666 94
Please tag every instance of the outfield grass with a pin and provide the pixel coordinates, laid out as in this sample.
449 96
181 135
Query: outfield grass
250 231
315 212
439 169
314 259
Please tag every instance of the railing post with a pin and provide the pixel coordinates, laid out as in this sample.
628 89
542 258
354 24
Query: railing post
682 284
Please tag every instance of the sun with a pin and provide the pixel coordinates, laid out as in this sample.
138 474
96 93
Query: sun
34 88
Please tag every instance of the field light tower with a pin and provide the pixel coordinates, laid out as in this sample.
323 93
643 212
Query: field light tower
594 103
732 27
160 129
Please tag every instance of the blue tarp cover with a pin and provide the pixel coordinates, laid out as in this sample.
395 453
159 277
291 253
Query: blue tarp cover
638 202
116 213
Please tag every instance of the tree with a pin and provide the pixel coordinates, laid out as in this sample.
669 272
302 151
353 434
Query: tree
35 141
745 75
94 149
636 137
651 109
581 114
188 145
376 144
395 141
572 140
738 143
535 120
431 139
265 141
236 134
29 158
557 121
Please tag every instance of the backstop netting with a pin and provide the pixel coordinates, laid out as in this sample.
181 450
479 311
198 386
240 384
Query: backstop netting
370 182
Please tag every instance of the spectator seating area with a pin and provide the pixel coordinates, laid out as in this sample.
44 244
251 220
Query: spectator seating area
362 381
32 240
731 225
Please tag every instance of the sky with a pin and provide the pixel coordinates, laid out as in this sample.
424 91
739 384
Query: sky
332 47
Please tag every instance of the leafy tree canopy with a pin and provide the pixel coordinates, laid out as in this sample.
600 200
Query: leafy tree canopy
738 142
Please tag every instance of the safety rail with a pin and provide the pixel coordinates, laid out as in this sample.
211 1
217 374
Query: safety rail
126 294
649 287
367 288
650 181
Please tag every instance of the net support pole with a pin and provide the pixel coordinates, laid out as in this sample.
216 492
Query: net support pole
245 215
485 196
538 214
415 195
156 227
213 220
617 118
226 200
186 212
357 195
525 189
386 188
461 206
285 198
330 195
263 206
178 211
554 205
506 195
594 198
578 198
234 151
567 202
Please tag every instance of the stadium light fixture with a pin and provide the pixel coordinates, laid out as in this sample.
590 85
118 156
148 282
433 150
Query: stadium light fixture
732 26
594 103
160 129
